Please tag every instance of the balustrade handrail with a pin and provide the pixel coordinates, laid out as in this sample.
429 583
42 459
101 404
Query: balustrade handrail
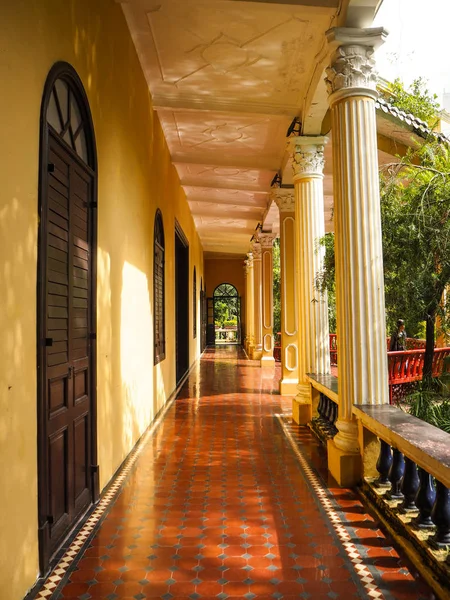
424 444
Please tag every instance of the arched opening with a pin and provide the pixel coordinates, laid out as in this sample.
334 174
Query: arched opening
66 311
227 314
202 316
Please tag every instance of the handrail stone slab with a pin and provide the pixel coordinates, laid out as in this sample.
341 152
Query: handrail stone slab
426 445
326 384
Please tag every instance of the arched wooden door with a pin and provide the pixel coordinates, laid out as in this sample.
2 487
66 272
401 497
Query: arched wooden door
68 472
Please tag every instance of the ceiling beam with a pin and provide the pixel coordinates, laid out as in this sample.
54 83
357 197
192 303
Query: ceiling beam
313 3
245 162
193 183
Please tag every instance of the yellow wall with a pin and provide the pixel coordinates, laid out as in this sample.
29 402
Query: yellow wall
135 177
226 270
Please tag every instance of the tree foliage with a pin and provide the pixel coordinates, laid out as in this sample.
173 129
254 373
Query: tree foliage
416 100
415 215
415 211
276 287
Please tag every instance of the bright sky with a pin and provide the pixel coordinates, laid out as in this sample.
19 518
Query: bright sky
418 44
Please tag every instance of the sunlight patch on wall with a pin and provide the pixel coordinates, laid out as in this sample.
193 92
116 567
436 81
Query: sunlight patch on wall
136 353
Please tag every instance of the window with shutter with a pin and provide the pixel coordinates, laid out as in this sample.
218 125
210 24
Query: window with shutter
158 291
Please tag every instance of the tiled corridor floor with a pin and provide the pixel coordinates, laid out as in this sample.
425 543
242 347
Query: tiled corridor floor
228 499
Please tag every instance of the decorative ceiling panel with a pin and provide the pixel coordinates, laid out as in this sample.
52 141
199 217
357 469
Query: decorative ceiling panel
226 79
226 196
252 180
255 141
235 52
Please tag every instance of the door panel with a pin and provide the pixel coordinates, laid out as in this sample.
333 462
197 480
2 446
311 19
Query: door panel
67 357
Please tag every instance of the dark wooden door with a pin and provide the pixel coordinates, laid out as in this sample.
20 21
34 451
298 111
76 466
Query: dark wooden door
181 305
210 326
67 360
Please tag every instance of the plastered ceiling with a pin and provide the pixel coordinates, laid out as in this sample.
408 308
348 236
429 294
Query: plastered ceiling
227 78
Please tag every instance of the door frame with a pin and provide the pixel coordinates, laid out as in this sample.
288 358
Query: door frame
62 70
179 233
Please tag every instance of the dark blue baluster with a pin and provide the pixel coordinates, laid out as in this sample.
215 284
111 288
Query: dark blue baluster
425 500
410 486
384 464
329 410
440 515
334 413
396 475
320 406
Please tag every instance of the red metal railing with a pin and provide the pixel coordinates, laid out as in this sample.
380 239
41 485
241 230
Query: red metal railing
333 349
407 365
411 344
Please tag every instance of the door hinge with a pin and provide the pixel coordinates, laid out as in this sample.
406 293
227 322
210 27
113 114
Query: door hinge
93 336
69 374
50 519
51 167
94 468
49 341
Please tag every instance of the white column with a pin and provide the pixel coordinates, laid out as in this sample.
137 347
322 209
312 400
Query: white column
314 339
285 200
363 376
308 164
257 297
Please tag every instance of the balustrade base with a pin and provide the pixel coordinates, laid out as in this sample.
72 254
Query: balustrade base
288 387
345 467
268 361
256 354
415 541
301 412
322 429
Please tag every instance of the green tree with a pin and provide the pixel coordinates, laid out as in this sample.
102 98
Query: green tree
416 100
220 312
326 279
276 287
415 210
415 215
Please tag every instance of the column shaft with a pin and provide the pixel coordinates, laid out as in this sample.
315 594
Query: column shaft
359 257
315 346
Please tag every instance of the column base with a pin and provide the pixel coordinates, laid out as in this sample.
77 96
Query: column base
301 412
288 387
302 405
256 354
345 467
267 361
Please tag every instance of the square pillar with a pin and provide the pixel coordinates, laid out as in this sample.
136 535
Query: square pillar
285 200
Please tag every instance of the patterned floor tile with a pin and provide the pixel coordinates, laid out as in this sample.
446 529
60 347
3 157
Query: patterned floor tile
227 498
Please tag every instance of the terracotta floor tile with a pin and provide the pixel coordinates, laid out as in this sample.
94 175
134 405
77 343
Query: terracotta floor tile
217 502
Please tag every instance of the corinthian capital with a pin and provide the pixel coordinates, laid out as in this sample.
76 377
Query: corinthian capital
266 239
352 66
307 156
256 250
284 199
